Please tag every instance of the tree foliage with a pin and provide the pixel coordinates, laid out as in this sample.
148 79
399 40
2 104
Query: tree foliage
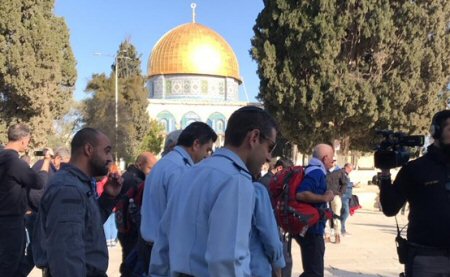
133 119
341 69
153 140
37 66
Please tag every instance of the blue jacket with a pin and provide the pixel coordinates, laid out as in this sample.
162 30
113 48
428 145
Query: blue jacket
266 249
157 189
205 230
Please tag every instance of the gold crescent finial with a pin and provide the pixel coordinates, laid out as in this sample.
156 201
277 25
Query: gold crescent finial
193 6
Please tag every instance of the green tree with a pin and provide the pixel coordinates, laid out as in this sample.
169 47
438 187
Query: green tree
341 69
133 119
153 140
37 66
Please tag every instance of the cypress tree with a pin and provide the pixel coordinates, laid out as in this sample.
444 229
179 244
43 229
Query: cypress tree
342 69
37 66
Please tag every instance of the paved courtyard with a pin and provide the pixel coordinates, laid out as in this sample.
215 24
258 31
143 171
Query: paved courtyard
368 252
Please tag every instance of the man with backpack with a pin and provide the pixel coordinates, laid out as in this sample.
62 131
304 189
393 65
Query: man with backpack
313 189
128 230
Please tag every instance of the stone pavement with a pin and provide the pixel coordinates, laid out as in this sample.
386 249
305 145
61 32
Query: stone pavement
368 252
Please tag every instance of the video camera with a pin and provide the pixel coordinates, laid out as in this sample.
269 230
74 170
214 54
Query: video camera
392 151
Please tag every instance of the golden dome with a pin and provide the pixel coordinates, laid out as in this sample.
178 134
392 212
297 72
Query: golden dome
193 49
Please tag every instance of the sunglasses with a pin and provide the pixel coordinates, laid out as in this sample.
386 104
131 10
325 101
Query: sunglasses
272 145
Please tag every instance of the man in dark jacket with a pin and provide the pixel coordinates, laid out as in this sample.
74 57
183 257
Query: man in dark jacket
132 178
425 184
279 166
68 238
61 156
337 183
16 177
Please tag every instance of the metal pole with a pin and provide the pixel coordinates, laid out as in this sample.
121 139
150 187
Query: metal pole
117 106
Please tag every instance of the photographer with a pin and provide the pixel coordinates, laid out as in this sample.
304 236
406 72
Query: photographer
425 184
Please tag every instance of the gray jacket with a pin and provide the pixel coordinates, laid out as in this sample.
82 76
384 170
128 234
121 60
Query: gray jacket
337 181
68 237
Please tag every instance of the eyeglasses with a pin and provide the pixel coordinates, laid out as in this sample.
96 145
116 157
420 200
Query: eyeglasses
272 145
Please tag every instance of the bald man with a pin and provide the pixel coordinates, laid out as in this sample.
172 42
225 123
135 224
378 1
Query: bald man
134 176
313 190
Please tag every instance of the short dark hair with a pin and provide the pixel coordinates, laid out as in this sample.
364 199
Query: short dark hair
85 135
196 130
246 119
17 132
285 163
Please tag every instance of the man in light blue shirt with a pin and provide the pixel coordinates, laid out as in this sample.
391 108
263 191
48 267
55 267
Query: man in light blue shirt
205 230
266 249
194 144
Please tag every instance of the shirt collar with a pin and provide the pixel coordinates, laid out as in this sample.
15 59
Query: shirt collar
77 173
317 163
183 153
237 161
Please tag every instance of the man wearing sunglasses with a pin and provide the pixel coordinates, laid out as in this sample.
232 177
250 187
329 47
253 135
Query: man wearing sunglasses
425 184
205 229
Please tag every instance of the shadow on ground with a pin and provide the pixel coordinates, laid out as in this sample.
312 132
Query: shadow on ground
336 272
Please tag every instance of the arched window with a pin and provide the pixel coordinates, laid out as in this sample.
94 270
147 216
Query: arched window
217 121
167 120
188 118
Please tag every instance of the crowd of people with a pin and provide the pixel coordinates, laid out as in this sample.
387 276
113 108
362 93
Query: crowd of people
194 212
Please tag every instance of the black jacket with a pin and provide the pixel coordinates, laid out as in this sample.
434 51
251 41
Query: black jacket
68 236
35 195
425 184
337 181
131 178
16 177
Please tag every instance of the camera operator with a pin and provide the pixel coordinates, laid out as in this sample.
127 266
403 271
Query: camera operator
425 184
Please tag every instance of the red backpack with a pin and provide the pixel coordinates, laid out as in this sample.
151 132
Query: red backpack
293 216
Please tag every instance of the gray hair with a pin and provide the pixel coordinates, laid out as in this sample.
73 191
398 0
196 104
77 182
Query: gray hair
321 150
171 141
17 132
62 152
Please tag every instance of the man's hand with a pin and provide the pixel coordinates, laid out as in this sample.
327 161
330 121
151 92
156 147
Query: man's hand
113 184
328 196
48 154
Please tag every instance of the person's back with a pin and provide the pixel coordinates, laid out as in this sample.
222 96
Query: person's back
199 206
266 249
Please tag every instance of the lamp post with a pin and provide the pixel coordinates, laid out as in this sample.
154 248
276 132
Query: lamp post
116 95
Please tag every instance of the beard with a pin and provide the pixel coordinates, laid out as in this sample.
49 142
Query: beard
99 166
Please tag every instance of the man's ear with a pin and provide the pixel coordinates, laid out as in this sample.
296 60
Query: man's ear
196 145
253 137
88 149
